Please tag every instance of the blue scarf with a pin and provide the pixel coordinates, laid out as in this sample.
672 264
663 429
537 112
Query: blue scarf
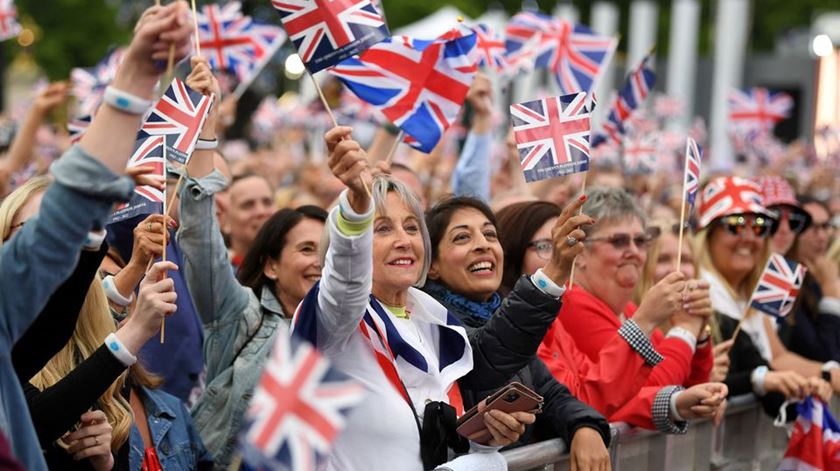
457 302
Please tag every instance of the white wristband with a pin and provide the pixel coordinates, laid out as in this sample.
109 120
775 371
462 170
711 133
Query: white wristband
547 285
119 351
685 335
757 380
114 294
126 102
830 365
829 306
94 239
204 144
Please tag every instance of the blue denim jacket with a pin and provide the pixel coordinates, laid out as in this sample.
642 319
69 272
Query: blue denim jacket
177 443
36 261
239 327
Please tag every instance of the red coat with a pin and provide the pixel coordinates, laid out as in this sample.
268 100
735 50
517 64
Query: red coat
593 324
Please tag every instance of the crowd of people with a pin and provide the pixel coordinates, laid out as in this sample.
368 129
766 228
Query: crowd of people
434 282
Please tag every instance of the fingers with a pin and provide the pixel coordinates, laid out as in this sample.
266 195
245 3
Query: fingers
572 208
158 269
722 349
93 416
336 135
504 428
719 415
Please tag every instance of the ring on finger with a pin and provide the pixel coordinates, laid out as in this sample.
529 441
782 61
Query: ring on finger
571 241
149 226
96 440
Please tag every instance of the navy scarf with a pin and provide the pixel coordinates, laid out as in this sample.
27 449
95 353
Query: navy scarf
454 301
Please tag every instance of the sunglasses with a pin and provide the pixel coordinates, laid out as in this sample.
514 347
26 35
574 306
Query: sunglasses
544 247
797 221
738 224
623 241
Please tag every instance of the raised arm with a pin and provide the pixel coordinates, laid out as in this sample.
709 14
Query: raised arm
346 279
472 174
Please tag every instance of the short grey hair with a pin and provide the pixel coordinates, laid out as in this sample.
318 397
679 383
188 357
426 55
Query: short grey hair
384 184
609 205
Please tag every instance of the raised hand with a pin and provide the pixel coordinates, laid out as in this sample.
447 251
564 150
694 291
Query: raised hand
155 300
660 303
349 163
146 175
51 98
563 254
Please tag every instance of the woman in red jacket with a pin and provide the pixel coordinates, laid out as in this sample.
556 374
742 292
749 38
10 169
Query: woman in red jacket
614 382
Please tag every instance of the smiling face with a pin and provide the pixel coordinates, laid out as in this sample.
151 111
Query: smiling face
297 268
611 273
667 259
397 249
470 258
735 256
251 204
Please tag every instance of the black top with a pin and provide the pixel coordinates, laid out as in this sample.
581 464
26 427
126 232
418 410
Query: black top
506 345
54 326
808 331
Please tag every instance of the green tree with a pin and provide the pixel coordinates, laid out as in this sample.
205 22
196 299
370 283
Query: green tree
71 33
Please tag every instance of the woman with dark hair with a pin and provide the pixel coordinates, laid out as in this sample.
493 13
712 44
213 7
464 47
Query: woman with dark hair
241 319
289 239
527 229
464 276
813 330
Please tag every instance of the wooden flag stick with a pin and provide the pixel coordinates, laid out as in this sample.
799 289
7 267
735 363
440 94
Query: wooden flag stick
195 24
394 147
332 117
572 271
682 217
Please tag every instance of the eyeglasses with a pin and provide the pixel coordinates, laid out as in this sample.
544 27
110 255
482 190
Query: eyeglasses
622 241
544 247
798 221
737 224
825 226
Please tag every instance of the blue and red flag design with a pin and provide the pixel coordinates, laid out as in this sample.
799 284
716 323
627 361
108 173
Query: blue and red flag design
89 84
298 410
815 442
758 109
693 160
778 286
639 154
327 32
148 152
9 26
232 41
179 115
491 49
419 85
77 127
552 135
572 52
635 90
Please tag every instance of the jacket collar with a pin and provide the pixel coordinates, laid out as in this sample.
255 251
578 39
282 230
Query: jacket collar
270 303
155 407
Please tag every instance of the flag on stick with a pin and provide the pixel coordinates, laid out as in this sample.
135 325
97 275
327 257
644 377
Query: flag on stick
148 151
635 90
758 109
778 286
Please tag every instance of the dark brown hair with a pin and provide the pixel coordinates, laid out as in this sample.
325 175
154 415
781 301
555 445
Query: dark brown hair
439 216
517 225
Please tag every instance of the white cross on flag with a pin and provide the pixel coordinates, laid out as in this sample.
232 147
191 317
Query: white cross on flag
552 135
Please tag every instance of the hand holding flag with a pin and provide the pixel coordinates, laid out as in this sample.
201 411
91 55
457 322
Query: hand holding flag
691 183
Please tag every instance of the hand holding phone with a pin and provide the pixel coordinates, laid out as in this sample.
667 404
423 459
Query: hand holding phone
514 397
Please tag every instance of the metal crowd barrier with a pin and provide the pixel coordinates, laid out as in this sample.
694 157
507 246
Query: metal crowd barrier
745 440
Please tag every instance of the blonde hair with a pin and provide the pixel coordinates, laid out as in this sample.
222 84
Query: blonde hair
703 259
94 324
649 270
18 199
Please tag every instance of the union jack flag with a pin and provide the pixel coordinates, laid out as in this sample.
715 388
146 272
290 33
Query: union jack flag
89 84
233 41
148 151
179 115
326 32
9 27
77 127
419 85
635 90
491 48
573 52
691 182
815 442
639 154
758 109
552 135
778 286
668 107
298 409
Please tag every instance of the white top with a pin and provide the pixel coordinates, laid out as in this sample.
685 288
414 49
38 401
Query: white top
381 432
724 303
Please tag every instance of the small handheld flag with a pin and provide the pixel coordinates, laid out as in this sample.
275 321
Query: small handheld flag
778 286
815 442
758 109
148 151
9 26
633 93
327 32
691 183
552 135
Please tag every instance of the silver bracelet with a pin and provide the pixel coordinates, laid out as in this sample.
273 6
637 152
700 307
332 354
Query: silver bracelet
126 102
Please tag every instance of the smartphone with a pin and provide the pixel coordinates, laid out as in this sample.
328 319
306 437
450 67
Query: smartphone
515 397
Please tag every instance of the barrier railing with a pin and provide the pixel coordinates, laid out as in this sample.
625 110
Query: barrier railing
745 440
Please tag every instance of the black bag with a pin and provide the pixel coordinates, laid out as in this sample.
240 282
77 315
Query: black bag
438 435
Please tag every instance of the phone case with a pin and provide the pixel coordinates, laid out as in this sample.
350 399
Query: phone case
515 397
